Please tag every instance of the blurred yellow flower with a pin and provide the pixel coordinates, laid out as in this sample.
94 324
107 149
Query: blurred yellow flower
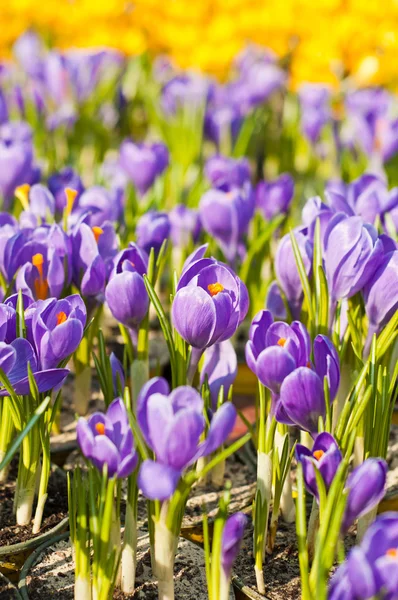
324 40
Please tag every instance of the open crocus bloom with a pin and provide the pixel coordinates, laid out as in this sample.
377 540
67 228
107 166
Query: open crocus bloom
371 569
325 456
107 439
210 303
172 426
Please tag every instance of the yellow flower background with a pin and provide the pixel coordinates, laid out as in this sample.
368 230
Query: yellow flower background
323 40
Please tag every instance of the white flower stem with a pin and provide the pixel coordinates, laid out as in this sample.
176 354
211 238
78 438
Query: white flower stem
218 474
24 506
82 588
165 545
129 551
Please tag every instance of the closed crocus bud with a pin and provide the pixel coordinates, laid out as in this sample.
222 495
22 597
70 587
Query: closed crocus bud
127 298
222 123
16 161
118 378
287 272
381 294
224 172
371 569
60 181
187 90
89 270
274 197
353 252
327 363
226 216
315 110
325 456
231 541
366 488
143 163
274 302
261 80
185 225
210 303
220 368
275 349
152 230
103 205
41 201
29 52
107 439
172 426
301 400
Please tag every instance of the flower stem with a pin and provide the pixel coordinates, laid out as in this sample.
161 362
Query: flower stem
165 547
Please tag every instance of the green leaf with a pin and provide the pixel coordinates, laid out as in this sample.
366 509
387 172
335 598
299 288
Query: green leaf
19 439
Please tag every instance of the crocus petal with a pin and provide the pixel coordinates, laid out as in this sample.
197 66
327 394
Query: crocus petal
45 381
157 481
127 465
156 385
105 452
302 397
159 419
361 575
8 356
273 365
366 486
183 438
194 316
221 426
85 437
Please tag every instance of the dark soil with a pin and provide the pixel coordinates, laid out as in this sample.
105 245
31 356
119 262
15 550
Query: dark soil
56 508
281 569
7 591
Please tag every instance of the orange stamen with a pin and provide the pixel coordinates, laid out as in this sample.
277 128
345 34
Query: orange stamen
61 318
309 365
70 199
100 428
318 454
281 342
22 193
41 285
393 552
97 231
215 288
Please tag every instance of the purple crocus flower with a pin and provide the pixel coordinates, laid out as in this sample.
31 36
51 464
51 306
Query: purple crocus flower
286 268
274 302
366 488
29 52
107 439
275 350
325 456
231 541
118 377
261 80
315 110
14 359
222 123
42 271
41 202
279 354
172 425
57 328
371 569
101 204
210 302
58 182
153 228
225 172
126 293
186 90
143 163
185 225
353 252
226 215
16 158
220 368
381 293
274 197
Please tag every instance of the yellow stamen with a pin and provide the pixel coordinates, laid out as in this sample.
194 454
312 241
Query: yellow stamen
41 285
100 428
70 200
215 288
393 552
61 318
22 193
97 231
281 342
318 454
